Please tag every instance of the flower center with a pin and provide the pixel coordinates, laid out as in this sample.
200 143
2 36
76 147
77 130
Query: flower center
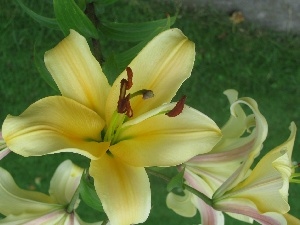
124 110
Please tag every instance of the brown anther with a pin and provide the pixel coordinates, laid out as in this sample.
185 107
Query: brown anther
178 108
129 78
124 103
124 106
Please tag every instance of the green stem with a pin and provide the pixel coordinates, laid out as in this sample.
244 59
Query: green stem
206 199
90 12
73 201
202 196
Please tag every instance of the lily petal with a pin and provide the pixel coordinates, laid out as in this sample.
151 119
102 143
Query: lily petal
55 124
260 134
182 205
166 141
209 216
124 190
77 73
291 220
248 208
161 66
4 153
17 201
64 182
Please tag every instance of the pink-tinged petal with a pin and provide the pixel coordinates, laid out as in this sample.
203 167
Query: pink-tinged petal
291 220
64 182
77 73
3 148
162 66
260 133
123 190
209 216
55 124
182 205
248 208
4 153
166 141
58 217
17 201
267 185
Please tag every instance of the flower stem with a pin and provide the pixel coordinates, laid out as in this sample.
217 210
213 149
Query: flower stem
90 12
202 196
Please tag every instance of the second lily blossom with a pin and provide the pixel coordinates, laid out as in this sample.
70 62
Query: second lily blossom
120 131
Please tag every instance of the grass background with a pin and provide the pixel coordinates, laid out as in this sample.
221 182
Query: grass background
258 63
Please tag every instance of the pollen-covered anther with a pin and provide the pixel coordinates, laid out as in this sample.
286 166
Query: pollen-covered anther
178 108
129 78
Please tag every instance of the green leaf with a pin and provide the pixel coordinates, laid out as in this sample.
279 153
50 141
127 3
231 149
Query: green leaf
104 2
69 16
40 65
89 195
176 181
45 21
133 32
116 63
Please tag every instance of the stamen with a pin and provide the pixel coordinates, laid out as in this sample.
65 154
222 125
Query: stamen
129 78
144 92
178 108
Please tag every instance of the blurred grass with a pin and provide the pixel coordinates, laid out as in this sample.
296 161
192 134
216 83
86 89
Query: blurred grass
258 63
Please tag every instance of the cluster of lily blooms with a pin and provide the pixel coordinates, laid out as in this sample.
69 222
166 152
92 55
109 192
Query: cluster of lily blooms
131 125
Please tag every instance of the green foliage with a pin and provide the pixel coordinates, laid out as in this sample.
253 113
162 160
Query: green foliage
88 193
176 181
44 21
70 16
40 65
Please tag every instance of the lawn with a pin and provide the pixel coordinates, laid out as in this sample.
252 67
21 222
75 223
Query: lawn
258 63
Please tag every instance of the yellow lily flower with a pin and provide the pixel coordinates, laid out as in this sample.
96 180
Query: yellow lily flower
207 172
3 148
263 195
30 207
120 133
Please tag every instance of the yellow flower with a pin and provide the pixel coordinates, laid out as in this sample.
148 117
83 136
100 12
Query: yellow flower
3 148
207 172
115 126
263 195
31 207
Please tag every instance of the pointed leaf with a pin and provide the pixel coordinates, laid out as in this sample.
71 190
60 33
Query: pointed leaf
176 181
45 21
69 16
133 32
89 195
116 63
40 65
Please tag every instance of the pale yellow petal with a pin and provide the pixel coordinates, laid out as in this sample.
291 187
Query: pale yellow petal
55 124
17 201
181 204
248 208
235 126
166 141
77 73
291 220
259 135
64 182
161 66
123 190
263 187
58 217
